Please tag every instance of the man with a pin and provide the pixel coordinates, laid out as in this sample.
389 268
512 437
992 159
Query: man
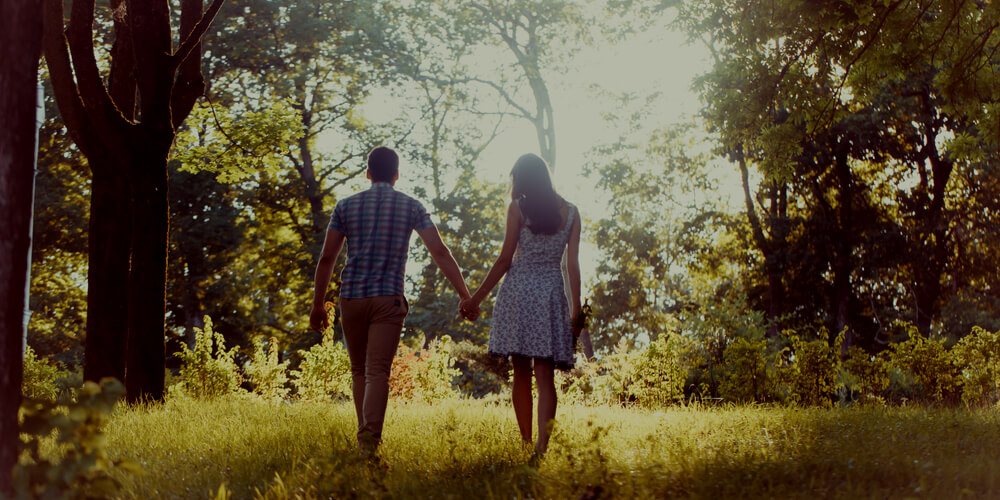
376 223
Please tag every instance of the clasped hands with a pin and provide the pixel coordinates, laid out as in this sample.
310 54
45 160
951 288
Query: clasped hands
468 307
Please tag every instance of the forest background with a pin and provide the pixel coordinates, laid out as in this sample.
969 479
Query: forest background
752 177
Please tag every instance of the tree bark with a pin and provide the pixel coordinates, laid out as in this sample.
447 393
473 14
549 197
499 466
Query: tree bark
772 267
20 48
108 251
843 250
157 86
146 356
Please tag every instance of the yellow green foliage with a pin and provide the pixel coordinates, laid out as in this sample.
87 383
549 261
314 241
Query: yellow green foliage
267 376
41 377
810 376
208 370
746 376
465 449
325 371
424 375
236 147
977 357
78 466
923 367
865 376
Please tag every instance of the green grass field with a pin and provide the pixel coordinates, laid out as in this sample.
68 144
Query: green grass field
471 450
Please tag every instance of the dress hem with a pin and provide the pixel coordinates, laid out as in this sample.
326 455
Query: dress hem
559 365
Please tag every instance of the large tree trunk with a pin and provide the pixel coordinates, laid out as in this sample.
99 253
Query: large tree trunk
108 269
843 250
20 47
146 357
773 267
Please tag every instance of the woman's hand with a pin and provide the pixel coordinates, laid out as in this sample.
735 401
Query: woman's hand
579 317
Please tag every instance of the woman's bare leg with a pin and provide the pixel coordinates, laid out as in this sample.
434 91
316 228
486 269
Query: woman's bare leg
521 395
545 379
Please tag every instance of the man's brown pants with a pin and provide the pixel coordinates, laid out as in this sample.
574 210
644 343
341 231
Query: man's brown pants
372 327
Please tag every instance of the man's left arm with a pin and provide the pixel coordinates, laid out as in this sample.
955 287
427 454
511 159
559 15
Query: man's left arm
334 241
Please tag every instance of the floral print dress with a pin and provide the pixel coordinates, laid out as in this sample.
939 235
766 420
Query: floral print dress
531 315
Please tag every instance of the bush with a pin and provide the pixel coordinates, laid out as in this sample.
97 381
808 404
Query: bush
41 377
746 376
325 371
209 370
922 369
265 373
613 380
864 376
82 468
810 378
660 371
977 358
480 373
424 375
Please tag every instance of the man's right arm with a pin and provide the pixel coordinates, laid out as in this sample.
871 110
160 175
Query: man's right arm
324 269
444 260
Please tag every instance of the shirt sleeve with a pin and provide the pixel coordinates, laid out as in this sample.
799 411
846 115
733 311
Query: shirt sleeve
337 219
419 218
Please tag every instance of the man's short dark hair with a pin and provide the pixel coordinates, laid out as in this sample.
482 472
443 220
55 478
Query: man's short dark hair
383 164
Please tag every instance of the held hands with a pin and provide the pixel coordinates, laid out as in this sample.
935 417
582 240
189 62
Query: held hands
469 308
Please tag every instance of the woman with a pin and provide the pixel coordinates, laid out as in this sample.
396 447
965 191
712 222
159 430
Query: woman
531 318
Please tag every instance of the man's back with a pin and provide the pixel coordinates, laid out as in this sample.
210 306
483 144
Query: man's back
378 223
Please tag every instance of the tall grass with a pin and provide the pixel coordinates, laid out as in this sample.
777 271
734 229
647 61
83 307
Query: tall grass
468 449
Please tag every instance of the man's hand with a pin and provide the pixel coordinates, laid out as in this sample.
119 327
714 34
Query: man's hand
319 320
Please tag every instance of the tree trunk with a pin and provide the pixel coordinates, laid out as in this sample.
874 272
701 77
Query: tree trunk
772 267
843 250
146 356
20 48
108 269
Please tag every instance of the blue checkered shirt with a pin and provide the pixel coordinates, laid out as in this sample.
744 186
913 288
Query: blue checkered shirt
377 223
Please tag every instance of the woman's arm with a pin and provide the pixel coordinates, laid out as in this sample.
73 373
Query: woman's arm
502 263
573 264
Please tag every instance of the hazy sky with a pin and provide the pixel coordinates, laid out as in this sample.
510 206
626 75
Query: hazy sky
658 60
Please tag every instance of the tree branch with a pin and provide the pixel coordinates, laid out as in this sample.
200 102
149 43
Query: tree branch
189 83
61 73
96 100
194 37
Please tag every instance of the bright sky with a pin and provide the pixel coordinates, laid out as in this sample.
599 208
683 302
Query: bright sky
658 60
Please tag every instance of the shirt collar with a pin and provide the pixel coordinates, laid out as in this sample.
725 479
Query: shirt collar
381 185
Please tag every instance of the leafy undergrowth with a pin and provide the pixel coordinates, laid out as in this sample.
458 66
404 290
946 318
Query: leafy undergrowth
257 448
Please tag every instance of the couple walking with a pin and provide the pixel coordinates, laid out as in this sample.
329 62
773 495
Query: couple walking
532 318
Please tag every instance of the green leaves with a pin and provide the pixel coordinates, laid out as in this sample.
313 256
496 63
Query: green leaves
80 467
238 146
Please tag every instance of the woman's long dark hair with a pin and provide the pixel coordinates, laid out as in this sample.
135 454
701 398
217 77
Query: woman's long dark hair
532 189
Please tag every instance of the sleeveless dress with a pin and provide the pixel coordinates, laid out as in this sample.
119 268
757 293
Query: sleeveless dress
531 314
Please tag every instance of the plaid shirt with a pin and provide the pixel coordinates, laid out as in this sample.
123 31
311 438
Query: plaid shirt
377 223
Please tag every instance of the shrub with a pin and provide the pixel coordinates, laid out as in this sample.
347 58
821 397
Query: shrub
810 378
660 371
82 468
266 375
745 373
480 373
209 370
923 368
41 377
424 375
614 379
325 371
864 376
977 358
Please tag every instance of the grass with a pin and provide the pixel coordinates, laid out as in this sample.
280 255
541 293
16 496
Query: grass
468 449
